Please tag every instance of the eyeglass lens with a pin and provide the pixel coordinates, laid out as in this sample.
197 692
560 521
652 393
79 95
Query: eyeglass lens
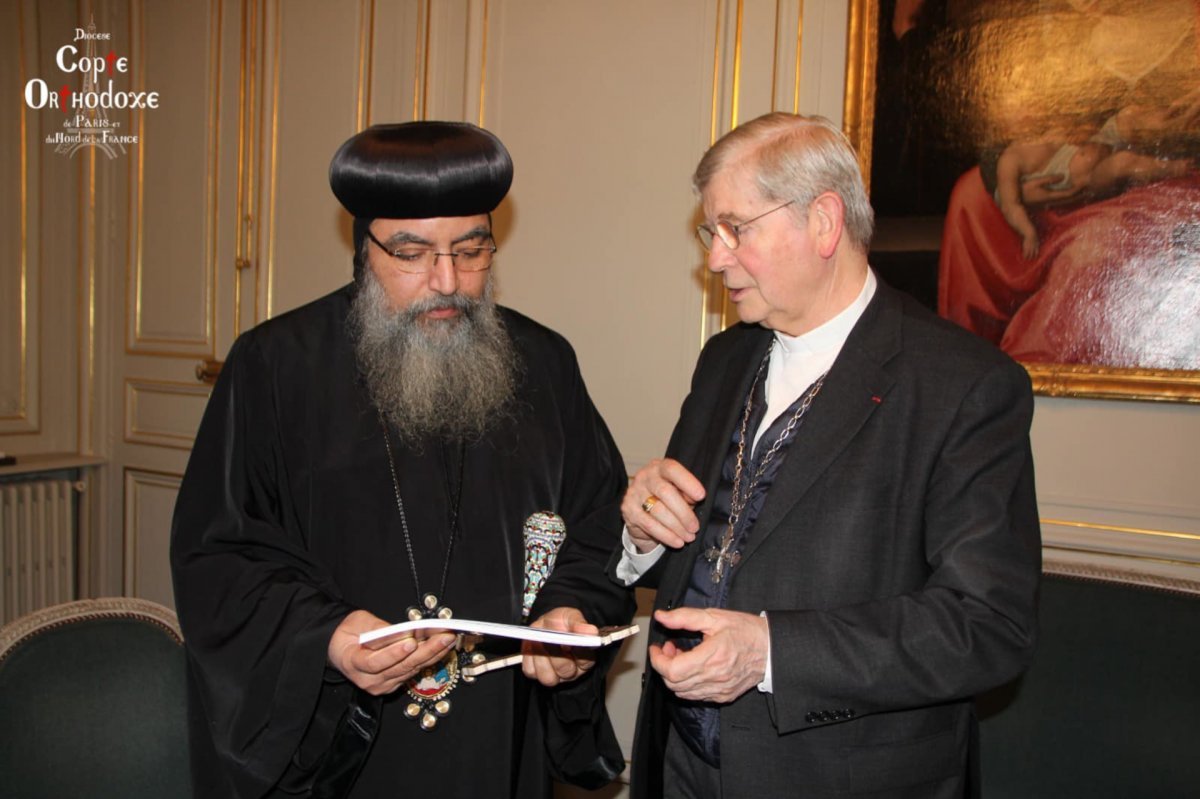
418 260
729 233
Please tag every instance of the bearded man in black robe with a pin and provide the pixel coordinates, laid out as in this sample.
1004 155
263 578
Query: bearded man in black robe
372 457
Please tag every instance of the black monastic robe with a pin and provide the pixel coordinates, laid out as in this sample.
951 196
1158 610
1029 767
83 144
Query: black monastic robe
287 521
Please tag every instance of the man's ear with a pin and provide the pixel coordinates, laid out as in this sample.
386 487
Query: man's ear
827 216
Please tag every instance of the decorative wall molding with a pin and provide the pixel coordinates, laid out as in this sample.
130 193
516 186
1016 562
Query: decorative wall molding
149 504
172 221
21 277
163 414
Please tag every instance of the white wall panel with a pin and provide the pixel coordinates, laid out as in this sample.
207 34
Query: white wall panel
149 506
1120 477
163 413
605 108
40 194
396 58
174 174
313 76
19 275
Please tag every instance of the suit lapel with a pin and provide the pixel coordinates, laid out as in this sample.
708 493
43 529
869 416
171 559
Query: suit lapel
728 402
856 385
730 405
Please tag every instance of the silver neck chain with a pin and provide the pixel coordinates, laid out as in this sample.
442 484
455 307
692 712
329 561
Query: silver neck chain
724 557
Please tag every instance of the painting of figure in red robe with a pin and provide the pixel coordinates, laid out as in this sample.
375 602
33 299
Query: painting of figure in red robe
1056 143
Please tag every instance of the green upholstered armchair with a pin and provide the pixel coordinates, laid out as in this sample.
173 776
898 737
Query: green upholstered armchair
93 703
1111 705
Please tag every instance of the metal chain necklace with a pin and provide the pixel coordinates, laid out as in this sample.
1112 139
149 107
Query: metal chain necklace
726 557
429 689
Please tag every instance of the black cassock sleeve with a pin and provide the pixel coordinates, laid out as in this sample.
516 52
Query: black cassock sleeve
256 610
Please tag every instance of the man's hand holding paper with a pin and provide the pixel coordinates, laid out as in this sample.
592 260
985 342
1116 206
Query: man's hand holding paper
551 665
380 667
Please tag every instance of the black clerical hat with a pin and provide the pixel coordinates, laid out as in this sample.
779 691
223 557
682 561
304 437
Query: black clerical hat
421 170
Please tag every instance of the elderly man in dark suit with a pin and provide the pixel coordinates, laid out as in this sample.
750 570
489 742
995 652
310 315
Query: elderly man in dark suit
844 534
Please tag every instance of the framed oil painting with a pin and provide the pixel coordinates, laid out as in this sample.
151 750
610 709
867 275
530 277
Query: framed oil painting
1035 169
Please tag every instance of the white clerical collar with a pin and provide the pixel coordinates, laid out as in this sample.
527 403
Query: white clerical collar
833 334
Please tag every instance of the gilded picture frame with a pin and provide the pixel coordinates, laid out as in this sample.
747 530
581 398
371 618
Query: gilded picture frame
1136 381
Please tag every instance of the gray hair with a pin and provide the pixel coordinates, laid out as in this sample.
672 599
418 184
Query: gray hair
795 158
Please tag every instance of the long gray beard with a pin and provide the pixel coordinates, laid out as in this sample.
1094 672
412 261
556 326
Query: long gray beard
453 379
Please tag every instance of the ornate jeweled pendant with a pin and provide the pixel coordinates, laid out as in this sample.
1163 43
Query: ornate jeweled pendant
428 691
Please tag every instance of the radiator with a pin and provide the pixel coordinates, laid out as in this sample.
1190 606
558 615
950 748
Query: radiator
37 545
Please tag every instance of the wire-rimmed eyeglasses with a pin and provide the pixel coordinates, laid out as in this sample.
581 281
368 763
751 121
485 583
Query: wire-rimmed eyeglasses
416 260
728 232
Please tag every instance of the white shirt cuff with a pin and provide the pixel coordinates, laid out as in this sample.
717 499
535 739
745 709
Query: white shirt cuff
634 564
765 686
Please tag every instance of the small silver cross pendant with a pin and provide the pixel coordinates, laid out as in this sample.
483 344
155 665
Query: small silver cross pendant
720 558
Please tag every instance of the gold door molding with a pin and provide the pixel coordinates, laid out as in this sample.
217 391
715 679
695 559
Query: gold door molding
163 413
149 502
174 178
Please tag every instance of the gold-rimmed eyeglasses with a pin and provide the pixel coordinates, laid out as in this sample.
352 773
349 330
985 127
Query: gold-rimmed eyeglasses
728 232
418 260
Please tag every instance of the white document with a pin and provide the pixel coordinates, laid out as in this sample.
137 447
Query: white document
605 637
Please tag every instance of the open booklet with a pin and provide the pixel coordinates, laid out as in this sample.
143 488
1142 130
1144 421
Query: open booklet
606 636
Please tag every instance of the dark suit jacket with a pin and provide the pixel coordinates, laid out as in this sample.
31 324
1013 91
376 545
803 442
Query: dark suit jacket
897 556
